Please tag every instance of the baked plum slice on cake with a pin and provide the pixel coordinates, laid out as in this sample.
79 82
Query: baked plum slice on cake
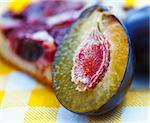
31 49
41 10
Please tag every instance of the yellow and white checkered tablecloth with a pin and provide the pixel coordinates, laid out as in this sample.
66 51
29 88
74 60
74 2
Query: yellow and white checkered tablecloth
24 100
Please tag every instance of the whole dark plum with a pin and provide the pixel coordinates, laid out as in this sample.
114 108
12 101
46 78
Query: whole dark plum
137 24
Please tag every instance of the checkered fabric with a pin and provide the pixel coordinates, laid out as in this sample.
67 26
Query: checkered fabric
24 100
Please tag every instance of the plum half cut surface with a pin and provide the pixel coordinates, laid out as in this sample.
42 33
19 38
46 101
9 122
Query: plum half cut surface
93 66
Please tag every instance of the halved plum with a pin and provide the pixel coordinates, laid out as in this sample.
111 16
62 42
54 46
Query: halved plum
93 66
